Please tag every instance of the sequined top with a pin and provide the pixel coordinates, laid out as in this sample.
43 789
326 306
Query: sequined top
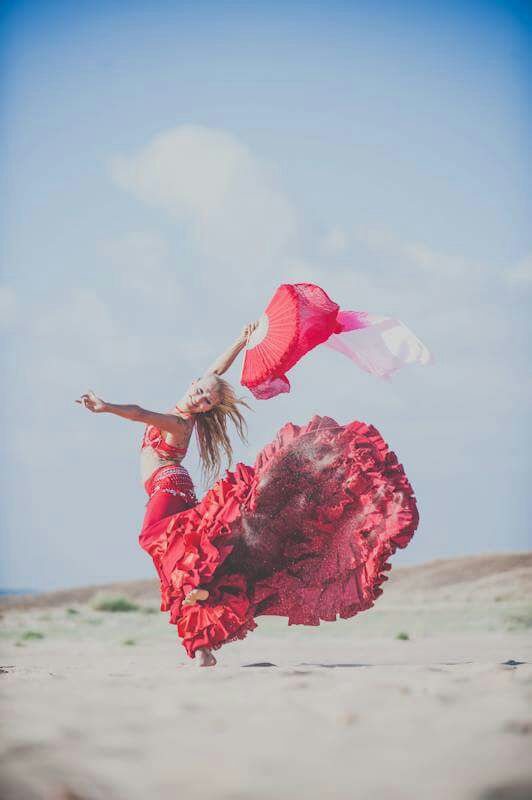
154 438
156 452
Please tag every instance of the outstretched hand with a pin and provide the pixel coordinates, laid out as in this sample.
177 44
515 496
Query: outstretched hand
247 330
93 403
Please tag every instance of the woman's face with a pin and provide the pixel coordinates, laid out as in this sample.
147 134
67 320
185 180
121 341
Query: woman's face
202 394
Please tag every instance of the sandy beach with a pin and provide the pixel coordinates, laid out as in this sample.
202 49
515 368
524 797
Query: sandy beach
427 695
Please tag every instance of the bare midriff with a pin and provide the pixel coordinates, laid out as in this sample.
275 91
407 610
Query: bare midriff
150 461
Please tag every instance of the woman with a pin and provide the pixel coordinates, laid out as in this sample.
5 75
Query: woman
204 406
305 533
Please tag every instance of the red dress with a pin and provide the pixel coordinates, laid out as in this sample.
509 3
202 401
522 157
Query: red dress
169 488
305 533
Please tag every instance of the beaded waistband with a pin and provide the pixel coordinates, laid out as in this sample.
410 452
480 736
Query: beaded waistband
172 479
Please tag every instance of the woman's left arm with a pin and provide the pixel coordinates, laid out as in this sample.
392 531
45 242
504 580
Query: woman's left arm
224 361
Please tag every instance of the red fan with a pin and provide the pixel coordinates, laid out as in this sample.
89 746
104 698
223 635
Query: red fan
301 316
298 317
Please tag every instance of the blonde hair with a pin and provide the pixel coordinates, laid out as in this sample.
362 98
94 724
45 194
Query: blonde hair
211 430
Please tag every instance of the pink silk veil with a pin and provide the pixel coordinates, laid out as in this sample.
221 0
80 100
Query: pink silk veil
377 344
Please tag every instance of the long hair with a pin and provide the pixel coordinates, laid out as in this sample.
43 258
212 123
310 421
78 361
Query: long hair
211 430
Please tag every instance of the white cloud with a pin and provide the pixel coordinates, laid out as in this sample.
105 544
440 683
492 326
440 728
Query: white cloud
353 289
8 307
141 260
376 238
335 241
80 327
300 271
224 197
138 250
441 264
426 260
520 275
81 311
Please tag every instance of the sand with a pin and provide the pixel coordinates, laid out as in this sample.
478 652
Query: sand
106 705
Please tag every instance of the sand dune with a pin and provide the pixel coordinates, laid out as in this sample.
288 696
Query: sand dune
485 577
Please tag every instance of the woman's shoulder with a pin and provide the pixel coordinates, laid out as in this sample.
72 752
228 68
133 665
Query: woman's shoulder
181 436
185 421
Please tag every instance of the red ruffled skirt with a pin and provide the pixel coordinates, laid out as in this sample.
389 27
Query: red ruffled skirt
305 533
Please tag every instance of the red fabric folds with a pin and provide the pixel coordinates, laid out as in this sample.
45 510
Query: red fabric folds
312 318
305 533
301 316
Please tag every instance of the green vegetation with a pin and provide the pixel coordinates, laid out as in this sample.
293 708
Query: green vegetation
129 642
403 636
114 604
72 612
32 635
519 622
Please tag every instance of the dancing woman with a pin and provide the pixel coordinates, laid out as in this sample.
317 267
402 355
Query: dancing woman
206 405
305 533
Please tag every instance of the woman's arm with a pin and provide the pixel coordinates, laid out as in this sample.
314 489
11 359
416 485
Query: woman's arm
169 423
224 361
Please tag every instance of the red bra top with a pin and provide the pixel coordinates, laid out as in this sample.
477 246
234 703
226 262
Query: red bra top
154 438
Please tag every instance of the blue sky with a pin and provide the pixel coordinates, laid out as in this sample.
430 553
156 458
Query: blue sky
167 165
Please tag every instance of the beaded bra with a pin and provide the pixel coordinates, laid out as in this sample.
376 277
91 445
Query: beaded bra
154 438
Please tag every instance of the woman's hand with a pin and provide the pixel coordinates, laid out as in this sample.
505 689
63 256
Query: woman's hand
224 361
247 330
92 402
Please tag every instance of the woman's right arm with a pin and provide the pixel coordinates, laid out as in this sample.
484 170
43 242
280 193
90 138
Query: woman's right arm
224 361
169 423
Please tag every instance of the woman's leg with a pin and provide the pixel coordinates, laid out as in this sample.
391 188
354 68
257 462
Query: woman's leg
206 657
161 505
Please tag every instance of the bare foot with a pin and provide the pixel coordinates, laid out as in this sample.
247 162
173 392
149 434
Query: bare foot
206 657
194 596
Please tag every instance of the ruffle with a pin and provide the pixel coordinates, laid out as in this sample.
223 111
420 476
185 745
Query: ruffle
225 617
305 533
356 508
190 550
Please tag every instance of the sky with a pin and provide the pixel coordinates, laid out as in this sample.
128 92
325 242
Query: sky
168 164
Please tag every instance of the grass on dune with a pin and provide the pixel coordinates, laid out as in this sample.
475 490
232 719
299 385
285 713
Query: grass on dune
403 636
27 635
113 604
